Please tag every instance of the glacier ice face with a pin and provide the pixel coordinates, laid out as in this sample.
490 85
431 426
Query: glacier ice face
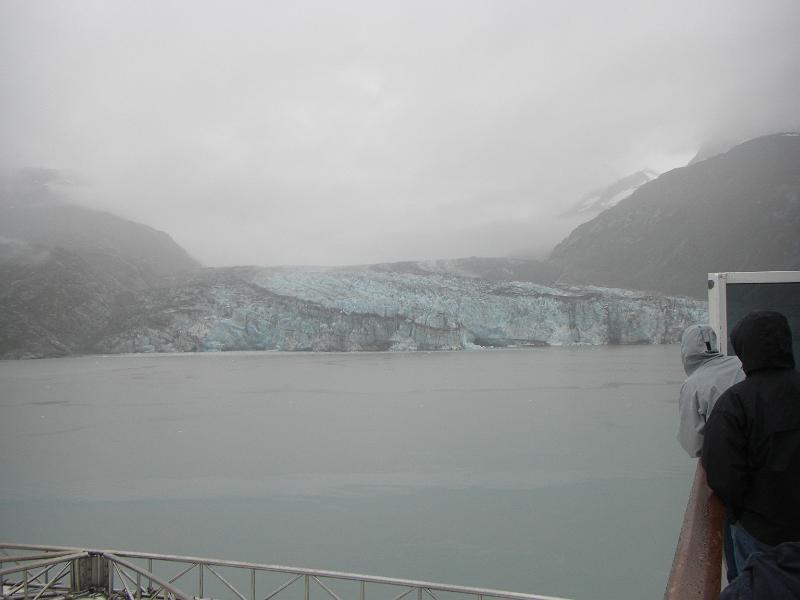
337 309
492 313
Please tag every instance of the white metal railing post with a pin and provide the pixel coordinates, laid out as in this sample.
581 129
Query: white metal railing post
110 576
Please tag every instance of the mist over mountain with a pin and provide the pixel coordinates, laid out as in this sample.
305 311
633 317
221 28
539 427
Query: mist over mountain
36 218
604 198
736 211
714 147
76 280
64 268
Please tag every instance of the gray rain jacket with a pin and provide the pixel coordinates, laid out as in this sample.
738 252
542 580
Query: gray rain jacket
710 374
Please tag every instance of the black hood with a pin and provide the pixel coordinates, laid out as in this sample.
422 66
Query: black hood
763 340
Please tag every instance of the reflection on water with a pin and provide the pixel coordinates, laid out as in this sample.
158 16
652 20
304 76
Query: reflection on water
547 470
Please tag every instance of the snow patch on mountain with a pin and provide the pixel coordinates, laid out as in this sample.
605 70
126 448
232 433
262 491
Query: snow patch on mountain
602 199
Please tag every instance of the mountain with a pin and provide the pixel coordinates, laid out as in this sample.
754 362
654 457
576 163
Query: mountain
604 198
714 147
737 211
35 217
64 268
74 280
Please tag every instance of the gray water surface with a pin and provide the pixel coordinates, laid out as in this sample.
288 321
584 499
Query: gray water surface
548 470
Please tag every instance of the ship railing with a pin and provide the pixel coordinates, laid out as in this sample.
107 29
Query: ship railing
57 572
697 566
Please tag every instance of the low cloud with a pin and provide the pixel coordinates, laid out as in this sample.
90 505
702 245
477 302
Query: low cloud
357 132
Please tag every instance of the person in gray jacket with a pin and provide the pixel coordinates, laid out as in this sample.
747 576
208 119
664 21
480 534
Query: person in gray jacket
709 375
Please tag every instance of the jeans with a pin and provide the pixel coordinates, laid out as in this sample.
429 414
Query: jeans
744 545
728 553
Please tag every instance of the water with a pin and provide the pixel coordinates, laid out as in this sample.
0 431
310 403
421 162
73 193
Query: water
548 470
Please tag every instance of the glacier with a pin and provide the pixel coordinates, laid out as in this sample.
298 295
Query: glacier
364 309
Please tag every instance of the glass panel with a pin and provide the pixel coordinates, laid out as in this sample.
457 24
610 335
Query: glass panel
782 297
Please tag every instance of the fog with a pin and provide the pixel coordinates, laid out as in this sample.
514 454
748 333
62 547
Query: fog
358 132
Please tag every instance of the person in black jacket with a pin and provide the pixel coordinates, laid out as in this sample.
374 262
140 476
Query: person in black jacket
751 451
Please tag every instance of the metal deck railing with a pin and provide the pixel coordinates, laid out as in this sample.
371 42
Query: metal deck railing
697 567
57 572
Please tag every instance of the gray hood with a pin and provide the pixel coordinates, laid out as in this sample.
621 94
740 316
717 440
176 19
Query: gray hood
698 346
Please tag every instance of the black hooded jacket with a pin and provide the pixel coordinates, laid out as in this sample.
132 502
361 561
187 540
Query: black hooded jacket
751 451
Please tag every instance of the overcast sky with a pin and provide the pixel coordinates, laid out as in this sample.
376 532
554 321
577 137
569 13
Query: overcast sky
341 132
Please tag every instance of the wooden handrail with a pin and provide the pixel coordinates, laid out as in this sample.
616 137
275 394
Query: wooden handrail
697 567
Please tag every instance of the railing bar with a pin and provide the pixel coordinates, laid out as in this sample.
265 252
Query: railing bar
431 594
200 581
362 590
156 593
252 584
489 593
167 586
327 589
110 579
173 580
182 573
18 586
58 578
122 579
283 587
228 585
33 578
337 575
306 590
404 594
696 567
128 576
150 569
43 563
20 558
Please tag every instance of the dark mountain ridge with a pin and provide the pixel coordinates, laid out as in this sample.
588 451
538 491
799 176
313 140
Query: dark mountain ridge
64 268
35 217
737 211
